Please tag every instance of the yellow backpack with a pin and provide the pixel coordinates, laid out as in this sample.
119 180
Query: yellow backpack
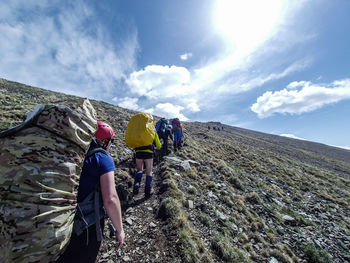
140 131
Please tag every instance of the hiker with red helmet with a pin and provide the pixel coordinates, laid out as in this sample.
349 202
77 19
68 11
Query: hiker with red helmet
96 180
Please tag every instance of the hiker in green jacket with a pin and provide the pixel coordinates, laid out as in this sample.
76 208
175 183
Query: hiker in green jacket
97 179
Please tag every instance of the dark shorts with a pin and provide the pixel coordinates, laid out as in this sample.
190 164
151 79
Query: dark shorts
144 155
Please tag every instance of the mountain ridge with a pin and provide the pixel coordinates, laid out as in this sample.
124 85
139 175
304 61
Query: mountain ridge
229 195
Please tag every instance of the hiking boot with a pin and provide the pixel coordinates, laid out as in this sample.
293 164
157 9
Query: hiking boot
149 191
136 188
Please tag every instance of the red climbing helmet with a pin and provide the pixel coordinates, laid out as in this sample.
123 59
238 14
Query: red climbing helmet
104 131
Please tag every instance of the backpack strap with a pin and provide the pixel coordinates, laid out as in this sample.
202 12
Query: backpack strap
149 147
95 146
97 214
90 211
31 118
95 150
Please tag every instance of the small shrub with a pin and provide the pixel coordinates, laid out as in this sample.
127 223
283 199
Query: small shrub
243 238
257 225
204 219
211 185
192 248
227 200
222 246
189 250
180 222
167 228
260 239
253 198
197 186
236 182
193 174
168 184
192 190
206 258
271 237
239 203
315 255
203 176
281 256
168 209
177 194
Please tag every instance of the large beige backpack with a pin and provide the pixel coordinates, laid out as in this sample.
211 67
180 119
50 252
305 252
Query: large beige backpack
40 165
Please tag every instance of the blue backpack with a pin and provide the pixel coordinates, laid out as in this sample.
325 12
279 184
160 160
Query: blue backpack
161 125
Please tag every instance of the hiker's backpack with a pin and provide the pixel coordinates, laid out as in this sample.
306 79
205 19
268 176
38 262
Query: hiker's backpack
140 130
40 163
161 126
176 124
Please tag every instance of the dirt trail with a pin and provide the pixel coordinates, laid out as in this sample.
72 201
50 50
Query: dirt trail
145 240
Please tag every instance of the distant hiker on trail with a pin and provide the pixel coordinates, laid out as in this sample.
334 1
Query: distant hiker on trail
182 136
141 135
164 131
177 131
96 181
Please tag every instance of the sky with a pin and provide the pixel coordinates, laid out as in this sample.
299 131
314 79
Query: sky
276 66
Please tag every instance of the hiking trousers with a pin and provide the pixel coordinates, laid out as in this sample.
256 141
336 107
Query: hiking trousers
78 251
177 138
164 149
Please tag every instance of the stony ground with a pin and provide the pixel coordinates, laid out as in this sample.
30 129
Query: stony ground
145 239
229 195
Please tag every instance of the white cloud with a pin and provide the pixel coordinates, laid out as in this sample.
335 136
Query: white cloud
161 83
127 102
308 97
63 52
298 84
168 110
193 106
190 104
291 136
186 56
255 82
156 81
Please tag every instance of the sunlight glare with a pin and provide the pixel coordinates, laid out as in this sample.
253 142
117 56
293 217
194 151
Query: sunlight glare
247 23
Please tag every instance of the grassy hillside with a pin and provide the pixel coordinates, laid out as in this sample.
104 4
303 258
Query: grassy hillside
256 197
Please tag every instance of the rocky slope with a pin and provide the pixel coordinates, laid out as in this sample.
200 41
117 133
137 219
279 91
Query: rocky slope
229 195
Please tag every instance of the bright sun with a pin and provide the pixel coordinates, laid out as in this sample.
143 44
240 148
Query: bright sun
247 23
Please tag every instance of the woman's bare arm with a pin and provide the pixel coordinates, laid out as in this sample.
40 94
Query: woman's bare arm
112 204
